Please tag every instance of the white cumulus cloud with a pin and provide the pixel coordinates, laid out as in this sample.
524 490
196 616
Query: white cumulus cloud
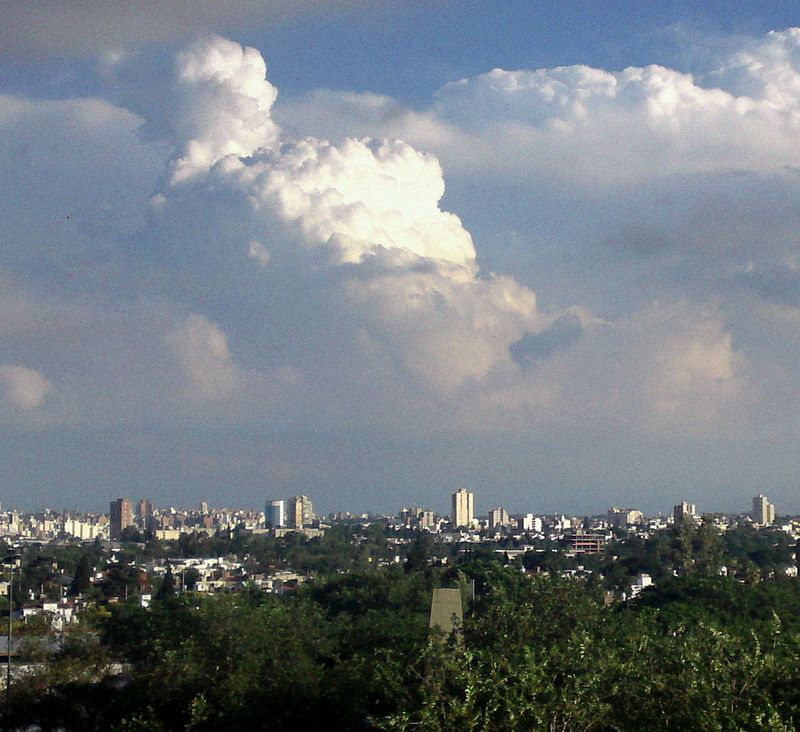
223 105
373 203
580 123
358 197
586 126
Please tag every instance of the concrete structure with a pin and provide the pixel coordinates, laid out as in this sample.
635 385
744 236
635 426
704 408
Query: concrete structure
311 533
529 522
624 517
275 514
167 534
498 517
763 511
83 530
120 516
418 518
301 512
144 512
463 507
642 581
684 510
447 611
144 509
587 542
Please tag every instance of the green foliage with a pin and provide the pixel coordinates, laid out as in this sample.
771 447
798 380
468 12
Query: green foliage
351 650
601 669
548 560
418 552
761 552
82 576
167 587
122 580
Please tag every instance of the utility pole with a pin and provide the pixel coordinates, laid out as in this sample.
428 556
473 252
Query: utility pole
8 646
11 560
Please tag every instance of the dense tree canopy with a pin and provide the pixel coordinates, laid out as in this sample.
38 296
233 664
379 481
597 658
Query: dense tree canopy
354 652
350 649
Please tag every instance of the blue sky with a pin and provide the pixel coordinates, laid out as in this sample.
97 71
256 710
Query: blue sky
407 49
375 252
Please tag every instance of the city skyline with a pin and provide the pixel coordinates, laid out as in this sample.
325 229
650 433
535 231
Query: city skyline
370 251
297 512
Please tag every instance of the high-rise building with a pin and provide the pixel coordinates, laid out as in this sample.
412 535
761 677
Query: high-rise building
308 511
301 512
622 517
763 511
144 514
120 516
529 522
683 510
275 514
204 507
144 509
463 507
498 517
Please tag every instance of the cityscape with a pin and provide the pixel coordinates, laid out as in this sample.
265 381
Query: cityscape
451 536
74 580
399 366
126 519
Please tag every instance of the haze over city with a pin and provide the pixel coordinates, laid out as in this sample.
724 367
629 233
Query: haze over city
377 252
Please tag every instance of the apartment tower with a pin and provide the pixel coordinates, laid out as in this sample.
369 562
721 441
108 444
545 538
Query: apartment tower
463 507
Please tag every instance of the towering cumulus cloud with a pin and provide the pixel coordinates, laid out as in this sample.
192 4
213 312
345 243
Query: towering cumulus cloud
372 204
358 222
224 105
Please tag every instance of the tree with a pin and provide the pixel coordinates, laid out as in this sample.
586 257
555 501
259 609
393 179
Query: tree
167 587
190 578
683 533
708 549
82 576
418 552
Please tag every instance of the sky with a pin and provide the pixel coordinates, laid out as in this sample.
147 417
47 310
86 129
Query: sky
374 252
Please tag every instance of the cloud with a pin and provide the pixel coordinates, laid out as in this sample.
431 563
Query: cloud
403 274
582 126
696 375
340 293
339 114
639 122
358 197
446 333
533 347
666 369
25 388
202 351
372 205
63 194
589 127
765 69
222 102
